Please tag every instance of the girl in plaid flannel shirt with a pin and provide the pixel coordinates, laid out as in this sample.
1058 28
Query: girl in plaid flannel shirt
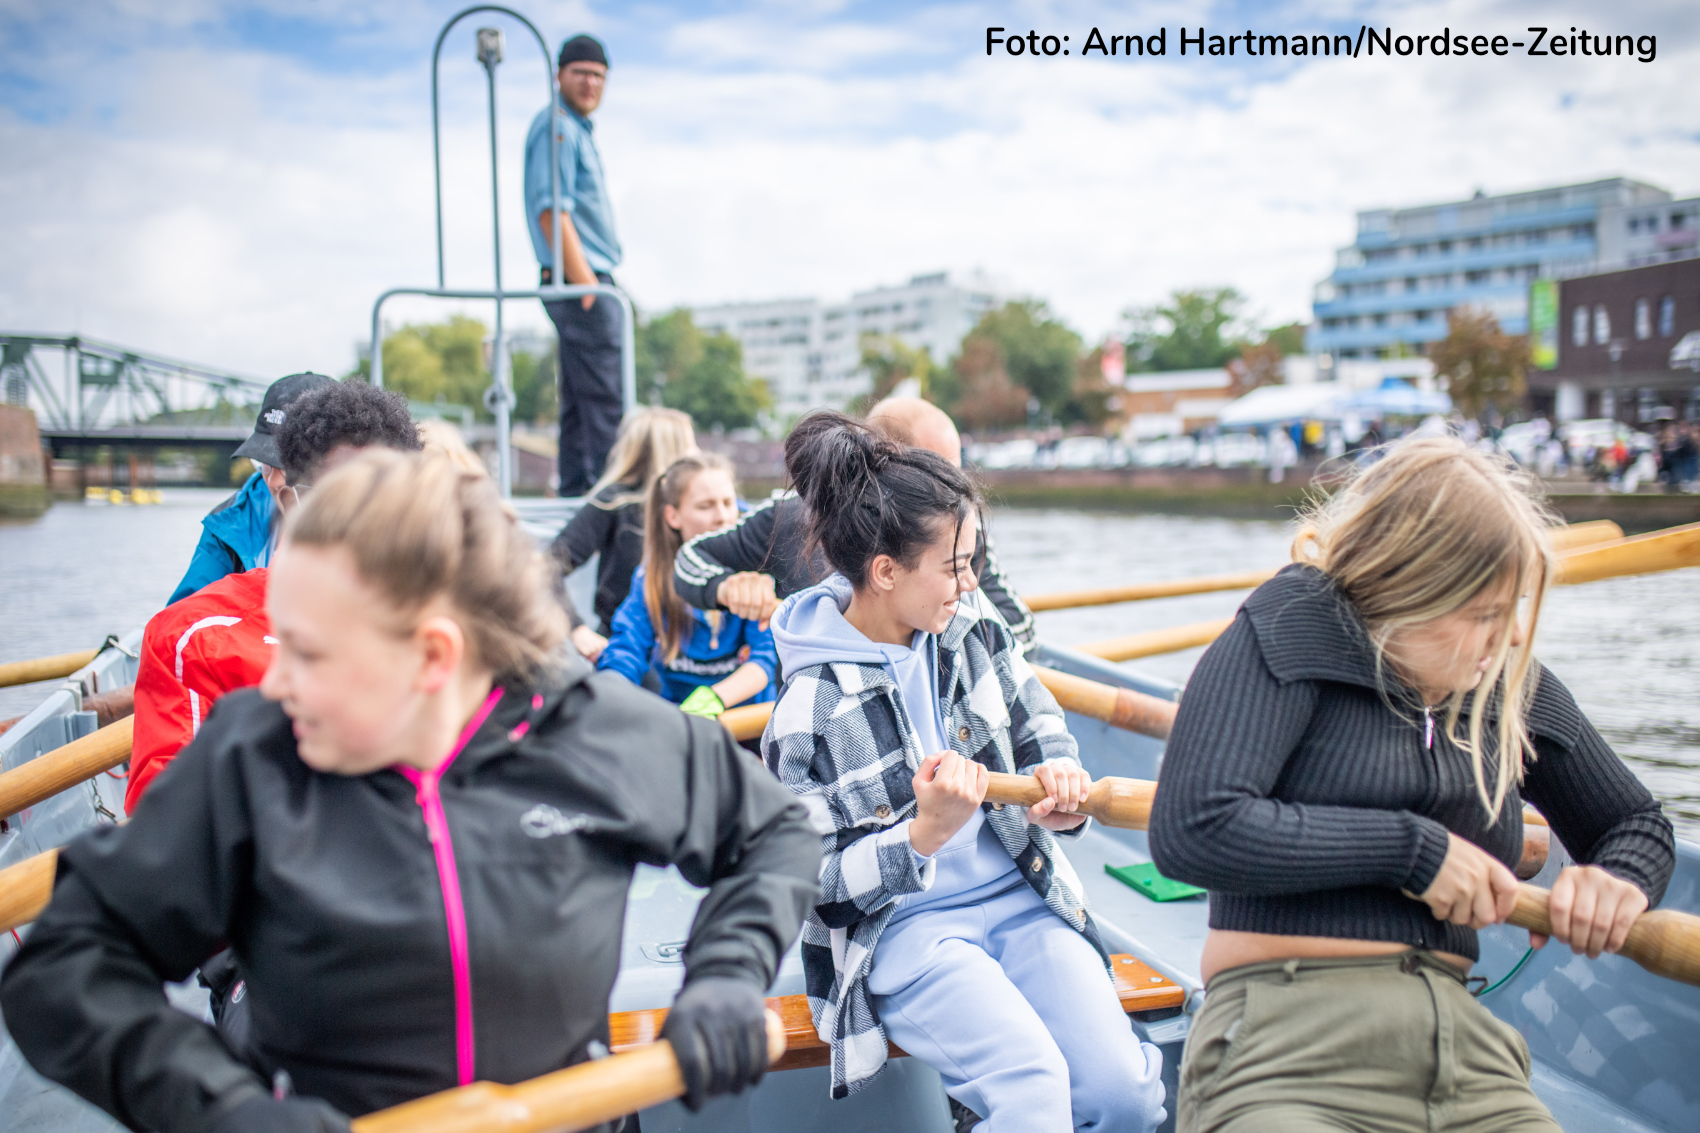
955 929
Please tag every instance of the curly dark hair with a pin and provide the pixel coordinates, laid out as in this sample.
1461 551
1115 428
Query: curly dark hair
343 413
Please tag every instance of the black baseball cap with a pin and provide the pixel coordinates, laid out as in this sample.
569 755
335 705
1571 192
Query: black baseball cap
274 407
582 49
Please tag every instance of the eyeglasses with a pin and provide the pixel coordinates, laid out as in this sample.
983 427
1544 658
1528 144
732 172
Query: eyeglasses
296 491
585 74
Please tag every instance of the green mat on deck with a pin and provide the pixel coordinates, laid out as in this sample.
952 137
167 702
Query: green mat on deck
1145 878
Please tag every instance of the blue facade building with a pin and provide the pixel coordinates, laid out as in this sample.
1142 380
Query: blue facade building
1391 290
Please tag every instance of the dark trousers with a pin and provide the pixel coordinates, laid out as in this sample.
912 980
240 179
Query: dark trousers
591 401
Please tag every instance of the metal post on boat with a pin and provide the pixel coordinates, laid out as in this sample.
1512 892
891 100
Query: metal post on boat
498 398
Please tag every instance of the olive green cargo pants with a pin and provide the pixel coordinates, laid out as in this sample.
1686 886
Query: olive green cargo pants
1384 1044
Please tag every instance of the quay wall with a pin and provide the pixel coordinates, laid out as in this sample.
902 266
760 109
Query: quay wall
23 471
1236 493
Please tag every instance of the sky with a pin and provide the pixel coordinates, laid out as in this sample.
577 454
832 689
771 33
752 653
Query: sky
235 183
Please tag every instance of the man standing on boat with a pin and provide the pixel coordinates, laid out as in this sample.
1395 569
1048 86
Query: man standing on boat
591 401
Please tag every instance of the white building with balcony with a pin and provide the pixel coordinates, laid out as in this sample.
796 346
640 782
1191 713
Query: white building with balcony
1391 290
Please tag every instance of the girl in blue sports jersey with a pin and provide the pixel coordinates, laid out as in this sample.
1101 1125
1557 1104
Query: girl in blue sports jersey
707 660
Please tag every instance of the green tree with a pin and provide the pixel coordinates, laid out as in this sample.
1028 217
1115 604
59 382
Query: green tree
536 391
1093 399
1481 364
1194 330
667 346
436 361
1289 338
702 374
714 389
1034 352
980 392
889 360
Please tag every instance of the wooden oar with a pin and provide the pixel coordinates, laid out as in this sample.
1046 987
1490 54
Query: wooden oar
1124 803
44 668
1664 941
1670 549
1156 642
1586 534
25 889
1138 592
1563 539
575 1098
64 767
1118 707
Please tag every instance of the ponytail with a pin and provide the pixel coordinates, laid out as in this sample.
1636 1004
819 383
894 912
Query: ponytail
868 495
670 614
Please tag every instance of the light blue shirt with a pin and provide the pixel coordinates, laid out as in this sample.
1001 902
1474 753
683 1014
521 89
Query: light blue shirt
916 671
584 190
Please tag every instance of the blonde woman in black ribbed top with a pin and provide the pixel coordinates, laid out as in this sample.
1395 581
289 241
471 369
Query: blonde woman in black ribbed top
1347 776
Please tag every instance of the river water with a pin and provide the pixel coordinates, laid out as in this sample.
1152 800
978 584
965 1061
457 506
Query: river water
1629 648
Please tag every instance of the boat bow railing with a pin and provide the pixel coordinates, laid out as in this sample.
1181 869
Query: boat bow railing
499 398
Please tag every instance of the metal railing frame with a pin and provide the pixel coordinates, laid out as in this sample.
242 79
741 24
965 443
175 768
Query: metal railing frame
499 397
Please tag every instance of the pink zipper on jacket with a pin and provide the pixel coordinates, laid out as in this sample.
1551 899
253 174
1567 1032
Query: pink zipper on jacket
437 828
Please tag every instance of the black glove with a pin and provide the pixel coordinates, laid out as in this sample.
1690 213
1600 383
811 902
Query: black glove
262 1114
718 1028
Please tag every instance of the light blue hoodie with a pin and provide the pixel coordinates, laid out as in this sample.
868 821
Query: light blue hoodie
810 629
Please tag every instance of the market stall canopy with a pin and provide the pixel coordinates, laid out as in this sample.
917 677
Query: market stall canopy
1278 405
1396 397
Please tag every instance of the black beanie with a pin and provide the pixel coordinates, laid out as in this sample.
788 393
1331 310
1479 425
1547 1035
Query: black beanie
582 49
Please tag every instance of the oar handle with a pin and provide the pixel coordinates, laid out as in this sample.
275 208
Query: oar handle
25 889
45 668
1114 801
1664 941
1117 707
575 1098
1670 549
64 767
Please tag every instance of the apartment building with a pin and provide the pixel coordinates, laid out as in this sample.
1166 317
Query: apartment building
1391 289
809 352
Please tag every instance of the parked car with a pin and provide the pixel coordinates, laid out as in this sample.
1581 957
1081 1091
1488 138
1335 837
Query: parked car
1230 449
1524 440
1165 452
1019 453
1599 432
1083 452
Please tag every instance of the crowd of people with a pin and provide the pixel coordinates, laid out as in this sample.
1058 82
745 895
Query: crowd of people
388 790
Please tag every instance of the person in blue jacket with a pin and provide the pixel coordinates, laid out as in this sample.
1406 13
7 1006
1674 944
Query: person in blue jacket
236 536
707 661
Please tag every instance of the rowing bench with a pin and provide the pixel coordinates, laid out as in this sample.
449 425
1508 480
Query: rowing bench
1140 988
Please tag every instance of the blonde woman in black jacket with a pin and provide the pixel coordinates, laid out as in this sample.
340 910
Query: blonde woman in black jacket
1347 776
416 837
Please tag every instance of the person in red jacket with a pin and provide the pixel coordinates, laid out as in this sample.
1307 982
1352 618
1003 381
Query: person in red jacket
193 652
215 641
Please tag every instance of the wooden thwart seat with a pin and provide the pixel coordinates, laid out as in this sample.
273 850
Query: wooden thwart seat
1140 987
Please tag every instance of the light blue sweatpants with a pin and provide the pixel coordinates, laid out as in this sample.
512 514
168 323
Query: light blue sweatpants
1015 1011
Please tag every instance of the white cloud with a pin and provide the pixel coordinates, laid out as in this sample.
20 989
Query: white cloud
243 208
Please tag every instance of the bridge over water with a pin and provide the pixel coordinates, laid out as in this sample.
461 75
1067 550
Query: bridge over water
100 404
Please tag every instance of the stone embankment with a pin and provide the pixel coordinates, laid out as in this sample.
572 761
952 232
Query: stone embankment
23 472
